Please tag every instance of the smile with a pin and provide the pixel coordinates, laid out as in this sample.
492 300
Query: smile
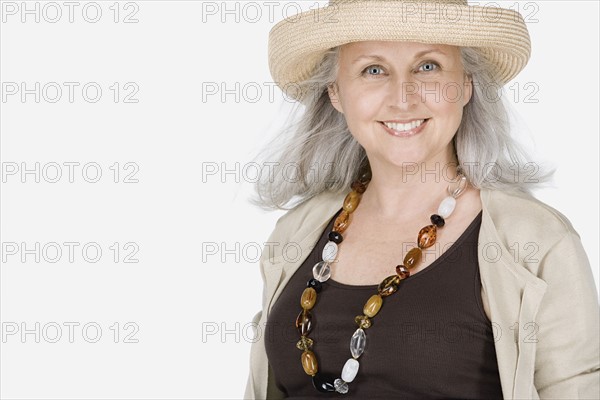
409 129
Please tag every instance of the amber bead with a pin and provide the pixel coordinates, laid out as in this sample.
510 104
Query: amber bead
315 284
402 271
373 305
309 362
304 343
308 299
363 321
427 236
389 285
413 257
437 220
351 201
335 237
304 322
342 221
358 187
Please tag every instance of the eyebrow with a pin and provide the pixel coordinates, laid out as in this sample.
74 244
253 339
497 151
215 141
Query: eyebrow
380 58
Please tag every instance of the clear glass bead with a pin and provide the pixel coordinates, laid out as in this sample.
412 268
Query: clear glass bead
358 343
322 271
340 386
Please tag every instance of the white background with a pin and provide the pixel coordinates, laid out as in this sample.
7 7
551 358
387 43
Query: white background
189 310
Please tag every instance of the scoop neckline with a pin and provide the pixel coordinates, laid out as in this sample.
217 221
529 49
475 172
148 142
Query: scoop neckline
434 264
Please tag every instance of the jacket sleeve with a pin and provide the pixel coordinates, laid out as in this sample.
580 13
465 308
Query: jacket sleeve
567 362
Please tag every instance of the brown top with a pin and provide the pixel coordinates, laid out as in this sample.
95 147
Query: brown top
431 338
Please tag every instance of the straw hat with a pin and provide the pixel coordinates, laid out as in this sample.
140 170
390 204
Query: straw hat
297 43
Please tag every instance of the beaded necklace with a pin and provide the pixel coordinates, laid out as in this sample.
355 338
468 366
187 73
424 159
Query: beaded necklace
322 271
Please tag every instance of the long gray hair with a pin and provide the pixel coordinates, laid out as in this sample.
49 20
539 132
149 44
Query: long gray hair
316 152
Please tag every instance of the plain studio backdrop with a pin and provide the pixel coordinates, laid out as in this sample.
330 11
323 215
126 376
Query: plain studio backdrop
129 250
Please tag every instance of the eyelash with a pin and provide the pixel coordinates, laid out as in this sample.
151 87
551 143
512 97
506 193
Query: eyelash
379 66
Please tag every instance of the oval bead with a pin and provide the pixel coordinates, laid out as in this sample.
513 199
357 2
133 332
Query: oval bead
427 236
329 251
308 299
304 322
362 321
322 271
389 285
309 362
446 207
350 370
324 383
351 201
335 237
340 386
315 284
402 271
342 221
372 306
413 257
457 187
358 343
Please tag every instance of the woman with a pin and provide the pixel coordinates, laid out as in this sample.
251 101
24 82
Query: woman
423 265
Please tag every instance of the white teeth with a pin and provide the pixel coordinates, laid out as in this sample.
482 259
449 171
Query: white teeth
404 127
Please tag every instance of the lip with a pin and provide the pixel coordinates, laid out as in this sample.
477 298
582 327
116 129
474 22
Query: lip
411 132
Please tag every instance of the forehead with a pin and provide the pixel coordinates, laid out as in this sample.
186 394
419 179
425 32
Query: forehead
395 48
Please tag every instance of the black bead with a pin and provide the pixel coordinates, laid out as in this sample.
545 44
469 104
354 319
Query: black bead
315 284
335 237
324 382
437 220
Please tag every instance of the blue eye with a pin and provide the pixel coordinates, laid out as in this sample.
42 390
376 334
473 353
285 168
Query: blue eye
371 68
430 63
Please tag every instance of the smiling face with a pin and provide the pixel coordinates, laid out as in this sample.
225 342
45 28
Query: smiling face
402 82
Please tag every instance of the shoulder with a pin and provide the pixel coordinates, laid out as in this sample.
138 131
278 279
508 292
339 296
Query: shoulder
304 218
524 215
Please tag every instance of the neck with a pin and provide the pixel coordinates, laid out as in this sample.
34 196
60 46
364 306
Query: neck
400 193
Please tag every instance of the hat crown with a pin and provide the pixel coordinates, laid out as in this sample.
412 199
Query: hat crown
460 2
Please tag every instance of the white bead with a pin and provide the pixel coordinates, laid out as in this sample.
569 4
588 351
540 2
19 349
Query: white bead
446 207
350 370
358 343
330 251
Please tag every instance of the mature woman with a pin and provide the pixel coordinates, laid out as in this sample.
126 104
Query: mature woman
420 264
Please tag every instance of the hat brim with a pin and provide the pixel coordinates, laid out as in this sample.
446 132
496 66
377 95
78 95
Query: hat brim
297 44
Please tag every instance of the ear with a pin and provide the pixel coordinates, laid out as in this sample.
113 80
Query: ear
333 91
468 89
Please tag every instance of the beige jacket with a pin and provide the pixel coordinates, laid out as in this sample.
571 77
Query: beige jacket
537 289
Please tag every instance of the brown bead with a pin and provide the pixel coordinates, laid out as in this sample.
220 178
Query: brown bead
342 221
308 299
402 271
389 285
427 236
351 201
304 322
304 343
413 257
358 187
373 305
309 362
363 321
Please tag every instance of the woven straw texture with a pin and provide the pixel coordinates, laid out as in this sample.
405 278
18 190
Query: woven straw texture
297 43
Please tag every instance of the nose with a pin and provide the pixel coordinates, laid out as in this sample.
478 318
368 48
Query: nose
403 92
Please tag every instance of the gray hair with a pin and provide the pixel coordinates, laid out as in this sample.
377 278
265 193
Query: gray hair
317 152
